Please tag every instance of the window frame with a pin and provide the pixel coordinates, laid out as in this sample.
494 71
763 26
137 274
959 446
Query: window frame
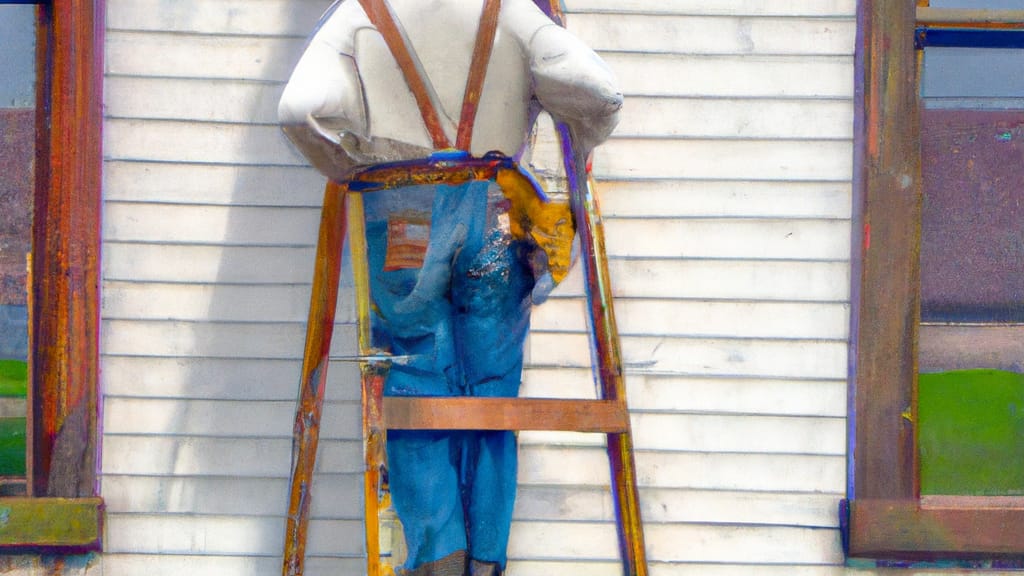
62 512
885 516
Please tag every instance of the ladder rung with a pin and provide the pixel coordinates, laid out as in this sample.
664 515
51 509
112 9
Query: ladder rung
477 413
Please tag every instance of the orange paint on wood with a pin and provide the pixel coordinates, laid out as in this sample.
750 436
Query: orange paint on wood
319 330
66 238
476 413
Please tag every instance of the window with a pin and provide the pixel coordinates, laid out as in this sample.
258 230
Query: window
907 500
60 511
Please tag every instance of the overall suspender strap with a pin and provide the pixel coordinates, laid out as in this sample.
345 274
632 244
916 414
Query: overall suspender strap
380 15
384 20
477 72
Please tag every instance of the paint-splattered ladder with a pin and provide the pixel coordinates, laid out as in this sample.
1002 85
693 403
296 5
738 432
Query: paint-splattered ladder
607 415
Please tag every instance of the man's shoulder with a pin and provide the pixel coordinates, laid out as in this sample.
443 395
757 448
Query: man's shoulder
338 26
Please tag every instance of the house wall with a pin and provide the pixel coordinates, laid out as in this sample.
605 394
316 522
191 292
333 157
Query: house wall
726 191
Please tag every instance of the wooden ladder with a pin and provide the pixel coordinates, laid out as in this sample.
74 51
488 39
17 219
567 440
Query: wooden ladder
607 415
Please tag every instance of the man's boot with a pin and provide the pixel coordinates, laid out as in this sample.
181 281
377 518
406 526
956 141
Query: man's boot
478 568
453 564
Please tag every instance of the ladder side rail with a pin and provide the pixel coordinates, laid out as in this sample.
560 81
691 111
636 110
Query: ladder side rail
605 350
319 330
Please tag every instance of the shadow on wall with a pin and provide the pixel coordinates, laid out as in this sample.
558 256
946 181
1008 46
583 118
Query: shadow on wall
204 322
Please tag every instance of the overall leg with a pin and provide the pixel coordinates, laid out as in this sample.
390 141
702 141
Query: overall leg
490 293
414 320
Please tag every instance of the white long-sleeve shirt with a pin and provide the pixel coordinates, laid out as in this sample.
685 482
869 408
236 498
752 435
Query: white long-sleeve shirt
348 81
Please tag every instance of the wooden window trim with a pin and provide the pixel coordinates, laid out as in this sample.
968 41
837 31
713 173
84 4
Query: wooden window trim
885 516
63 512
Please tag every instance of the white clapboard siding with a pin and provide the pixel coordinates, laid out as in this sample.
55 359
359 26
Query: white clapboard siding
161 182
170 455
242 101
724 199
216 339
157 564
726 195
661 505
667 34
224 535
220 17
575 466
800 8
733 75
210 56
734 117
820 160
694 395
208 378
704 318
222 418
228 496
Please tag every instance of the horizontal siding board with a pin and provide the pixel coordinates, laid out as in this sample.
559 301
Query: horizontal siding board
265 59
202 100
175 223
223 418
662 33
811 359
225 535
215 340
576 466
154 564
664 117
205 456
825 8
747 434
681 543
703 318
699 394
733 75
614 568
160 182
797 160
747 239
661 506
724 279
225 302
769 545
207 263
336 496
244 17
218 378
723 199
552 540
752 396
201 143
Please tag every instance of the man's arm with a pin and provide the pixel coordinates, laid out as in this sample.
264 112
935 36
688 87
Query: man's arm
571 82
322 110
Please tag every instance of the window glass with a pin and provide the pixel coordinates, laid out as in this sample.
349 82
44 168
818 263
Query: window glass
971 383
17 125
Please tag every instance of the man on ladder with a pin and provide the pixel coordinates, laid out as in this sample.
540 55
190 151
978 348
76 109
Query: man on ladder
452 272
